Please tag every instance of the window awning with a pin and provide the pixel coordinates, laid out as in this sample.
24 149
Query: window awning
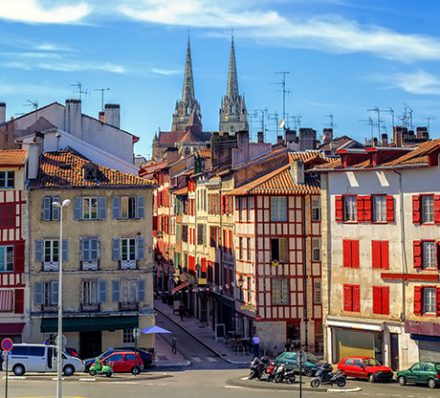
180 287
11 329
50 325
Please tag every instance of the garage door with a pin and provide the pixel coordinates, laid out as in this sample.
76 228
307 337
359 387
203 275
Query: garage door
349 342
429 351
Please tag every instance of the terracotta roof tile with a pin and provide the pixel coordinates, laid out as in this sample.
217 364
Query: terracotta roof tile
205 153
12 157
65 168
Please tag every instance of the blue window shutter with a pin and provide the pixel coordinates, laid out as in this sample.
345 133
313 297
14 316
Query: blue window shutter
102 291
45 208
116 249
85 249
94 249
55 210
102 207
65 250
38 293
115 291
116 207
54 292
140 207
77 208
39 244
141 290
140 248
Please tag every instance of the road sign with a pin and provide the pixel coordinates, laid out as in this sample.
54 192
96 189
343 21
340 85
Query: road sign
136 333
7 344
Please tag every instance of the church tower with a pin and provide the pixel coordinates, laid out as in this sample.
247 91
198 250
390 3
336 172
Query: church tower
187 114
233 113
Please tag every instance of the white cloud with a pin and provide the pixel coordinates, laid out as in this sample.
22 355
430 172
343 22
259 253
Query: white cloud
165 72
418 82
67 66
38 11
32 89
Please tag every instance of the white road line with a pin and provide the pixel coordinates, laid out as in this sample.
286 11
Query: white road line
196 359
210 359
15 377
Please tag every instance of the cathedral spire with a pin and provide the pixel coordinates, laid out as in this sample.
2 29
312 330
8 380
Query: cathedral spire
232 87
188 96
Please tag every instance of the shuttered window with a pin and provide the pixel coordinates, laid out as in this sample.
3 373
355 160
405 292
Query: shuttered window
279 250
350 208
380 254
427 209
425 254
352 298
280 291
429 300
350 249
381 300
48 211
380 208
6 258
278 208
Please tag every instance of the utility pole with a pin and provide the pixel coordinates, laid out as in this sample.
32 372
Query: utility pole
282 83
102 95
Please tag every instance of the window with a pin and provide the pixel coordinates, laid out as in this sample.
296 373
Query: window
248 249
380 254
278 208
200 234
90 292
249 289
279 250
50 293
213 236
48 211
6 301
379 208
240 248
381 300
128 207
350 208
129 291
127 336
352 299
317 292
184 233
128 249
7 215
90 250
6 258
316 209
428 253
90 208
427 209
51 251
7 179
280 291
429 300
350 253
316 249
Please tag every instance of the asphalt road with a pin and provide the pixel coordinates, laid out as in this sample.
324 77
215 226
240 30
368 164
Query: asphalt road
192 383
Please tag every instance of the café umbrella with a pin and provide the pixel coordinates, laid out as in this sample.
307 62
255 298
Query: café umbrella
155 330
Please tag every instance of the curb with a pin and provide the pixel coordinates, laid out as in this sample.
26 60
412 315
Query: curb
346 390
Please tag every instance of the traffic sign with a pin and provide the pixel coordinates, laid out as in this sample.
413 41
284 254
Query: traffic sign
136 333
7 344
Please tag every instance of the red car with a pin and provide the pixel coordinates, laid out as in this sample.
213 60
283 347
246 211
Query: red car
363 367
124 362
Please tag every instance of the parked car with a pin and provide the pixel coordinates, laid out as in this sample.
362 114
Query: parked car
146 356
72 352
421 373
363 367
290 359
123 362
40 358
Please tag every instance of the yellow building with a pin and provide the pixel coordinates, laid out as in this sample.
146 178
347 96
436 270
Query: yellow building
106 254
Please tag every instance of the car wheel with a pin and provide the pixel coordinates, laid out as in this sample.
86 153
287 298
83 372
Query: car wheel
68 370
92 372
431 383
135 371
371 378
308 372
18 370
402 380
292 379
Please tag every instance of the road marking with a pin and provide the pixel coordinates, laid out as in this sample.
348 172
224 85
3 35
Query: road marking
235 387
197 359
211 359
345 390
87 379
15 377
245 378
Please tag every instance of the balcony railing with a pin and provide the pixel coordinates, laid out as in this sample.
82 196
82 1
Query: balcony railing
128 264
90 307
128 306
49 308
90 265
50 266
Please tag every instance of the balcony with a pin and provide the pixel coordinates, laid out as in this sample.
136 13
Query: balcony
128 306
90 265
50 266
90 307
49 308
128 264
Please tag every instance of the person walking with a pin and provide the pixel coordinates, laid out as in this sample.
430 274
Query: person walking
174 345
181 311
256 345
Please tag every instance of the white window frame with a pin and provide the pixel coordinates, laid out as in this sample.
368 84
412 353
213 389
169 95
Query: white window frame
130 246
90 208
127 336
89 290
428 255
5 177
126 203
427 207
52 254
429 300
350 208
280 291
7 259
278 208
379 208
316 249
316 209
129 291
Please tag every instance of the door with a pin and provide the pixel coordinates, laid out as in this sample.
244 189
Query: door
90 344
359 369
394 351
413 375
36 359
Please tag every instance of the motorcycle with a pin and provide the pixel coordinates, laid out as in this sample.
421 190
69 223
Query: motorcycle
260 368
99 368
284 375
325 375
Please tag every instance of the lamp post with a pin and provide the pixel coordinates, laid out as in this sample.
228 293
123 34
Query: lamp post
60 206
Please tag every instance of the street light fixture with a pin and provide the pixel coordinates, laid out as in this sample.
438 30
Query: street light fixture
66 202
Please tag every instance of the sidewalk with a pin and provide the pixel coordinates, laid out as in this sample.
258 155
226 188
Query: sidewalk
204 334
165 358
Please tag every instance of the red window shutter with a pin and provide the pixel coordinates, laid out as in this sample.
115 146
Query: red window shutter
346 249
438 301
376 254
377 300
19 301
385 300
390 208
367 208
339 207
354 254
19 258
416 209
360 208
348 298
418 290
437 209
204 265
417 249
356 298
385 255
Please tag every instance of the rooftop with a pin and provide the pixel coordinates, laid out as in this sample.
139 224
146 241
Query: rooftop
12 157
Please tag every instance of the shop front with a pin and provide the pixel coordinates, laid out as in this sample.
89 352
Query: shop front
427 337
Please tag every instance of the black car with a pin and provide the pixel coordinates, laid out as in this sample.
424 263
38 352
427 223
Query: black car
146 356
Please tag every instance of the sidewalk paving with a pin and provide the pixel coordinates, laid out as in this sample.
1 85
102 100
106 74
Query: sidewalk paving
165 358
204 334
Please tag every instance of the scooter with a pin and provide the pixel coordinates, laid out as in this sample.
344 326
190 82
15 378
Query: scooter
325 375
260 368
100 369
284 375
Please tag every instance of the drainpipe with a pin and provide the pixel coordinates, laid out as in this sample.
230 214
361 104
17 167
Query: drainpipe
305 279
220 271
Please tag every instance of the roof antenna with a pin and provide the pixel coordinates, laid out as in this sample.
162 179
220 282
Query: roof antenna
79 91
34 105
282 83
102 95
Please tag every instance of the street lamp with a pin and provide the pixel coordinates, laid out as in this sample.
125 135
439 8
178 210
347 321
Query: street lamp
66 202
240 283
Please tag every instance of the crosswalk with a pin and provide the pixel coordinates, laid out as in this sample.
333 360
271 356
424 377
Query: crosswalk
197 359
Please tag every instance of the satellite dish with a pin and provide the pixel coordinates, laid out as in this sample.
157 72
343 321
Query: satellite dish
282 124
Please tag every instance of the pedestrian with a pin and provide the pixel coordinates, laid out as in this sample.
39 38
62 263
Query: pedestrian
181 311
256 345
288 345
174 345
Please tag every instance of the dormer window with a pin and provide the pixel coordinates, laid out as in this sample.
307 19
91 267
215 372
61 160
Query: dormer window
90 172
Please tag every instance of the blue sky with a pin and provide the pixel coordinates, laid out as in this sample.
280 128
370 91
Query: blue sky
343 57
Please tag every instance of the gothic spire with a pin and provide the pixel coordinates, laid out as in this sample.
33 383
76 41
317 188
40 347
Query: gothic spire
232 88
188 96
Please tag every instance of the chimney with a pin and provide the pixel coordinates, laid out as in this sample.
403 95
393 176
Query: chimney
101 116
2 112
398 132
34 152
421 132
260 137
327 135
307 139
243 144
297 172
73 117
384 139
375 141
113 115
290 136
280 139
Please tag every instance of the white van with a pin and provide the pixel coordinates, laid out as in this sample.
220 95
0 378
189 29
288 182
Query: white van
40 358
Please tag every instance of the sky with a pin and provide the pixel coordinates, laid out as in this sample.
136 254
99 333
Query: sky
343 57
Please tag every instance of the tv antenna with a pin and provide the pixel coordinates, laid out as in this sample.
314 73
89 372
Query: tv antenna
79 90
407 117
379 122
33 105
390 111
331 123
282 83
279 125
260 114
428 121
370 122
103 90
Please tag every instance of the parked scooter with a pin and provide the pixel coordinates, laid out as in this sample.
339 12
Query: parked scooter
325 375
261 368
284 375
100 369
